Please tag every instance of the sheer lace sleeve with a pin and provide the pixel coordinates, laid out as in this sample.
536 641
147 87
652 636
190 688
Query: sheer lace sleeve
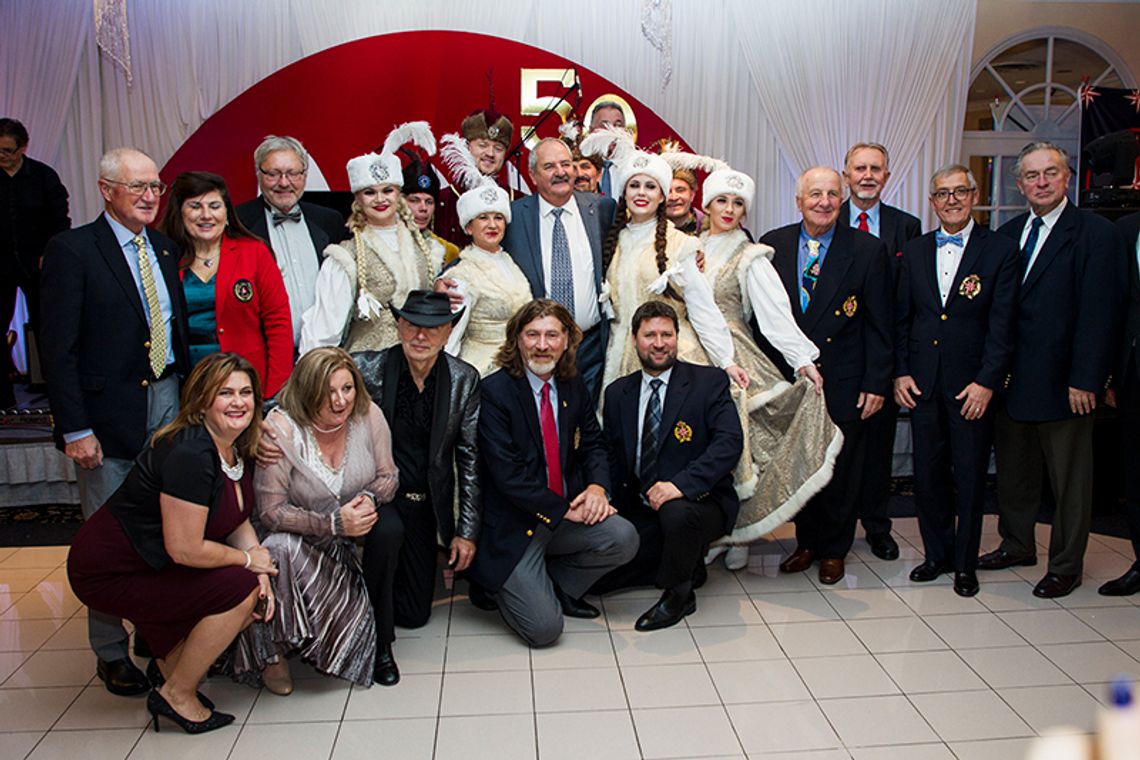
387 476
276 511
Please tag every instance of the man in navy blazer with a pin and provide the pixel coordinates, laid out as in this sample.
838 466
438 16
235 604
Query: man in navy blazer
674 436
866 169
549 531
112 362
1070 307
585 218
954 334
1127 398
841 299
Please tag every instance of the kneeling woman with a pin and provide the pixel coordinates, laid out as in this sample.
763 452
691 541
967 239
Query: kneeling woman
173 550
336 469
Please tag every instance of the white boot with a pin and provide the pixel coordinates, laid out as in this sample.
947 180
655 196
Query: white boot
736 558
714 552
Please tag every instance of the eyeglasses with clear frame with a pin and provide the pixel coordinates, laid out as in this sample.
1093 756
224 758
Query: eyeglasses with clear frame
292 175
139 188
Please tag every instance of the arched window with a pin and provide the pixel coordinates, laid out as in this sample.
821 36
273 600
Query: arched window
1025 89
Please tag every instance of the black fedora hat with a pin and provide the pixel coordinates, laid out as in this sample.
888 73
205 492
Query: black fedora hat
425 308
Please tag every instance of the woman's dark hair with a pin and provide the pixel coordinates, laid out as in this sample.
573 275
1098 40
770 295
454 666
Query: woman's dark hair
189 185
199 392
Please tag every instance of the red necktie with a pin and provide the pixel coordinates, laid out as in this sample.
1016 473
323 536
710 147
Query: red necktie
550 442
863 221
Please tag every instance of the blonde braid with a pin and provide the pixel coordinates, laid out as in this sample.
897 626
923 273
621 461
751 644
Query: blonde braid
361 285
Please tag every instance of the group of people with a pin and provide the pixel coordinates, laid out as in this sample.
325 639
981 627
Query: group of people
583 393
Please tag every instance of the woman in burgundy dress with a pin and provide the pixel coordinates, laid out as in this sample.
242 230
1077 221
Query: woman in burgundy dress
173 550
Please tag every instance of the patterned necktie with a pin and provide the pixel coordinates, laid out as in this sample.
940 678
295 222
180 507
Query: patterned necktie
606 185
650 436
550 442
153 309
810 275
1030 245
941 238
561 270
863 221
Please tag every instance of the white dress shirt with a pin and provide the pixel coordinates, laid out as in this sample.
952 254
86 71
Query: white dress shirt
1049 220
643 402
947 260
586 312
297 259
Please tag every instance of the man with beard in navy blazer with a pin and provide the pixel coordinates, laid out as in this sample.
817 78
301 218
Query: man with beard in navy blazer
837 280
549 530
866 169
954 333
1069 313
674 436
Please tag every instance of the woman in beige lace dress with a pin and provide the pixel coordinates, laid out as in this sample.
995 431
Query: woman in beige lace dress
792 441
384 260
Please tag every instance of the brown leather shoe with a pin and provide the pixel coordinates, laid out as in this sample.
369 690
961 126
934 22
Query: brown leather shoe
1053 585
1000 559
830 571
798 561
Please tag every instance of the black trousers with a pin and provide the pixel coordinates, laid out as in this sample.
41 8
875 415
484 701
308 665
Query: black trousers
826 524
400 555
951 455
876 490
673 541
1128 404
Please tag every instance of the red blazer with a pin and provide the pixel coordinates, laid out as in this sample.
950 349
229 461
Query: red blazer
252 310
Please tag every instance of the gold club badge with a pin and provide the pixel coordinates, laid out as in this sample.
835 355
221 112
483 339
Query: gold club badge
243 291
682 432
971 286
850 306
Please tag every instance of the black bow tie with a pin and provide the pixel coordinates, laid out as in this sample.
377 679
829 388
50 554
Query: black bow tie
293 216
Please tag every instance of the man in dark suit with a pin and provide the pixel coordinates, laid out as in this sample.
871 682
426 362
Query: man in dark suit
114 345
1068 319
549 531
954 334
555 237
866 170
297 232
674 436
1126 396
837 280
411 382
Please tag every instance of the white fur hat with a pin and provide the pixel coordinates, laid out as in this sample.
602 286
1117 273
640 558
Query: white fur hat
729 182
374 169
481 200
648 164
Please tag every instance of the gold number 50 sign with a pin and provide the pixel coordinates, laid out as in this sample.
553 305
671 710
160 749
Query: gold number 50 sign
532 104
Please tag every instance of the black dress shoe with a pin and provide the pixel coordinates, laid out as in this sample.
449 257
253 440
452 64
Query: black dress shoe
928 571
385 673
156 705
480 598
670 609
965 584
1000 559
575 608
122 677
883 546
1053 585
1125 585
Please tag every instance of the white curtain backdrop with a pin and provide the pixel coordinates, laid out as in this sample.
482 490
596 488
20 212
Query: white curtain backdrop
771 87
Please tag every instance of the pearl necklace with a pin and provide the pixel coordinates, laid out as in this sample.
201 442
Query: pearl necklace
323 431
235 471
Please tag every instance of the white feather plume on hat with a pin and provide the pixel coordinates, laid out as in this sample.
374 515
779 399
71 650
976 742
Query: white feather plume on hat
570 130
457 158
418 132
598 143
384 168
680 159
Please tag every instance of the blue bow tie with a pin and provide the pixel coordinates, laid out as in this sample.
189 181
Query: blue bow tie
942 239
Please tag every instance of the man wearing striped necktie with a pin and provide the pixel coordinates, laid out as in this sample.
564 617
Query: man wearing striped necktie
114 343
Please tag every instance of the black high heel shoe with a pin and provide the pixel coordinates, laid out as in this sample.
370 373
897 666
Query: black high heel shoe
157 705
154 675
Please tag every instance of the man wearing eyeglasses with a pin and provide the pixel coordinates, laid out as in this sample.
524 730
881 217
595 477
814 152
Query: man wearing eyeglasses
297 232
956 298
114 343
1069 313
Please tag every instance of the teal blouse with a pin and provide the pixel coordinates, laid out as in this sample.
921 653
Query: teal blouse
202 316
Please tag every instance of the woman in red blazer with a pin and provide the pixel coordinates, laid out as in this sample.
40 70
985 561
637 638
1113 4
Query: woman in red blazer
235 296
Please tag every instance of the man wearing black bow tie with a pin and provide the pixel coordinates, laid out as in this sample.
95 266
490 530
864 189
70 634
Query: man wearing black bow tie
956 298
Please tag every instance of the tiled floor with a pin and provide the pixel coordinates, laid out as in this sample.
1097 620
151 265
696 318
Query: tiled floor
770 666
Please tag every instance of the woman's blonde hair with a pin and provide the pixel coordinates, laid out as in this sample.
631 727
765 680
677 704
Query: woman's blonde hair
199 392
307 390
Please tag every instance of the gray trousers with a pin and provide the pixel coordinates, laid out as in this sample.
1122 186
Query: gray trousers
572 555
105 632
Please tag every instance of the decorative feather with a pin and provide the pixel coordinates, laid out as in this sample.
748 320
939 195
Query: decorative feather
458 159
598 143
570 130
418 132
679 159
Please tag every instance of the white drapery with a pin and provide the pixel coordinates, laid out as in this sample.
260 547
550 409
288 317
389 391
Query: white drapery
744 74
